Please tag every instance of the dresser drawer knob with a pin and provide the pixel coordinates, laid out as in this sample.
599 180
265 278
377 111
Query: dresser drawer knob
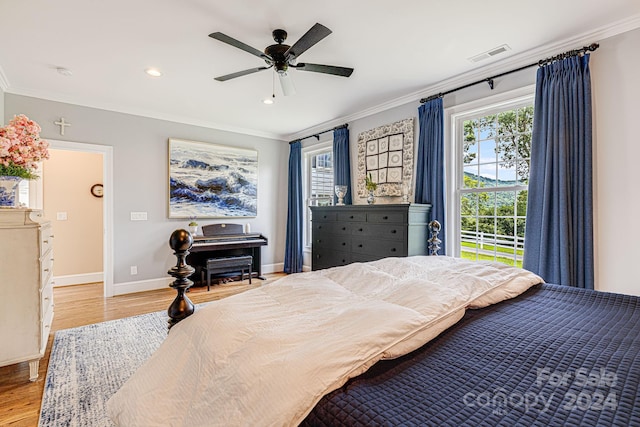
46 269
359 229
394 231
360 245
351 217
344 228
385 217
344 243
393 249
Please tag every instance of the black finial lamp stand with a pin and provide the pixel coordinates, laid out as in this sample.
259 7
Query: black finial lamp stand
181 307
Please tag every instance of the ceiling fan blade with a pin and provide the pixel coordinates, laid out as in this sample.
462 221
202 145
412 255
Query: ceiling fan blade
286 82
311 37
326 69
240 74
236 43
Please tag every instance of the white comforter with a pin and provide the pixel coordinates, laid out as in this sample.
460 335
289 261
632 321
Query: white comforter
266 356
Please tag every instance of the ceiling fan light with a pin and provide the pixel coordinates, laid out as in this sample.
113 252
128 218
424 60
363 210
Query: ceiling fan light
286 83
153 72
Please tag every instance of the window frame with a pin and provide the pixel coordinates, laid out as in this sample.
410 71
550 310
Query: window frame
455 117
307 154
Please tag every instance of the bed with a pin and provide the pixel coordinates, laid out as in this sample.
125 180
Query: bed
554 356
311 349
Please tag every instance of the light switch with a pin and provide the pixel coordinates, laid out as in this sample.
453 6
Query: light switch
138 216
61 216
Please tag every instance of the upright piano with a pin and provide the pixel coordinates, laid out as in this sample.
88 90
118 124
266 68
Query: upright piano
226 240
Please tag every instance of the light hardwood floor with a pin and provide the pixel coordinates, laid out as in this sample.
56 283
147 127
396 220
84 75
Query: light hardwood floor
83 305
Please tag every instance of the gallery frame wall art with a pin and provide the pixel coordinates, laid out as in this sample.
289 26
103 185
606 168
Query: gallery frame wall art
386 154
211 181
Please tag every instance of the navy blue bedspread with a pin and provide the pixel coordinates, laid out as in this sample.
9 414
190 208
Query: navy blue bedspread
554 356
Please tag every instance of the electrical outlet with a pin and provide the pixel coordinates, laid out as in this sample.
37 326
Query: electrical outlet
134 270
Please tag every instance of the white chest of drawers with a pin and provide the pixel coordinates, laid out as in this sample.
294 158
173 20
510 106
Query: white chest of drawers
26 289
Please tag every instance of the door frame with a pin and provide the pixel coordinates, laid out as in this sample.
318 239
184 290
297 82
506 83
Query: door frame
107 205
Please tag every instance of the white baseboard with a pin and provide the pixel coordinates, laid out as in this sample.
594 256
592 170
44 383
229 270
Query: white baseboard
78 279
141 285
273 268
162 283
279 268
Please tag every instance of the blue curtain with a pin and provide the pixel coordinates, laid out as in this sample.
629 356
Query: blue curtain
341 163
293 244
430 170
559 231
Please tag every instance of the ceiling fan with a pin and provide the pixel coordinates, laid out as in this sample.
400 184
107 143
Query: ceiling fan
283 57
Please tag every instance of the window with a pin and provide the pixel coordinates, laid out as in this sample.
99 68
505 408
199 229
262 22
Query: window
318 173
494 146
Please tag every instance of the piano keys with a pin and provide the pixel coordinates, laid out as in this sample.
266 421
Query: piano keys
226 240
244 240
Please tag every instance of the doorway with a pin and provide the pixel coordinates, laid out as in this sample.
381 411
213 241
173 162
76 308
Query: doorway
106 153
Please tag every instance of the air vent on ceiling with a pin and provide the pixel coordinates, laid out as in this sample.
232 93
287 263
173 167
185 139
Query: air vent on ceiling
490 53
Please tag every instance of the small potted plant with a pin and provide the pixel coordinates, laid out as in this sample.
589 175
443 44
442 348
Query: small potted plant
193 226
371 187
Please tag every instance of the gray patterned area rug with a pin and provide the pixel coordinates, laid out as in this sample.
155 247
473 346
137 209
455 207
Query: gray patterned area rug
90 363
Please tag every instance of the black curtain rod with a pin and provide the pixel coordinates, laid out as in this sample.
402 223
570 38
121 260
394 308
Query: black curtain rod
540 63
317 135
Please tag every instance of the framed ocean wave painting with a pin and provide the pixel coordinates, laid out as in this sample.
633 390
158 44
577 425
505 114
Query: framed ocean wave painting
211 181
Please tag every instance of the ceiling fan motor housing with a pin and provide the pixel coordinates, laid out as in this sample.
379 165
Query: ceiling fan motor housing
277 54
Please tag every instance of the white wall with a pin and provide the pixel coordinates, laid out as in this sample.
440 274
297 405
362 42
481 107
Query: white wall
616 109
140 151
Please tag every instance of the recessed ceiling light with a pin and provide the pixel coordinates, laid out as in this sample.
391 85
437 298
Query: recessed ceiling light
267 101
154 72
64 71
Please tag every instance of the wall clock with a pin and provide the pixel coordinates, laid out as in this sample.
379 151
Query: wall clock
97 190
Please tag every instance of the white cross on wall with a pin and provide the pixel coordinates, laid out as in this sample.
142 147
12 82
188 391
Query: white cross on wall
62 124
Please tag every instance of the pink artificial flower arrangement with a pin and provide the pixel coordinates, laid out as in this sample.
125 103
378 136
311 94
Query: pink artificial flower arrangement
21 148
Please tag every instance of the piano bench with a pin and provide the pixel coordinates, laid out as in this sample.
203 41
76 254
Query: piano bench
226 265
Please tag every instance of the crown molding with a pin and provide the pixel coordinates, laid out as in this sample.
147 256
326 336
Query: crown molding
500 66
